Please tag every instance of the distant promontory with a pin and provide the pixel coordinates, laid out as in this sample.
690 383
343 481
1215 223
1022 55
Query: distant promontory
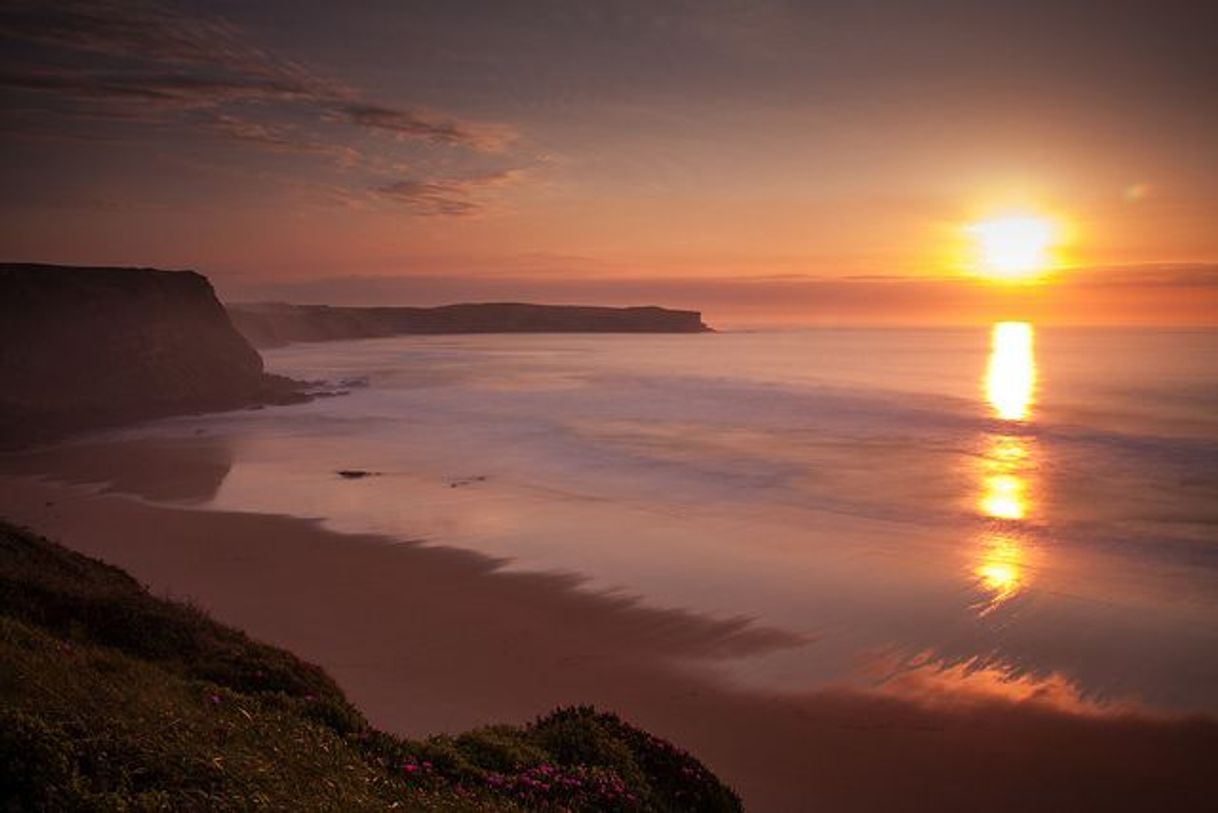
86 347
276 324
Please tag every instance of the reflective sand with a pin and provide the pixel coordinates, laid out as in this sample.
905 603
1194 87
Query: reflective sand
1017 512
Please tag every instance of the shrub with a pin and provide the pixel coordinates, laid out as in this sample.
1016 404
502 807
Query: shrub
112 699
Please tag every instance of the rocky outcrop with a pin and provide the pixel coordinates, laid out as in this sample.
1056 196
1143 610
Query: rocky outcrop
86 347
275 324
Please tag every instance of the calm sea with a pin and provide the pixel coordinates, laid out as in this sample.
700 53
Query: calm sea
1010 509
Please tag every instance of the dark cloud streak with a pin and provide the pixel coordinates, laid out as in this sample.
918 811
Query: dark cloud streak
447 197
1156 294
133 61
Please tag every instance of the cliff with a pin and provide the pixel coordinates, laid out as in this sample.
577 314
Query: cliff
275 324
86 347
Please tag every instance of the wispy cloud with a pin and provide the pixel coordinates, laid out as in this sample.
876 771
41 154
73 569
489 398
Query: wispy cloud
126 28
445 197
143 62
278 137
150 54
413 124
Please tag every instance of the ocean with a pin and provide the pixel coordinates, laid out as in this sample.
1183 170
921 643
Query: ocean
1011 509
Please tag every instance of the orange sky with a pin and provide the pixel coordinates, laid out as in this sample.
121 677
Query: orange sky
765 162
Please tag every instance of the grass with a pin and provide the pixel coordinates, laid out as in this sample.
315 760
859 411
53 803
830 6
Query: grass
113 699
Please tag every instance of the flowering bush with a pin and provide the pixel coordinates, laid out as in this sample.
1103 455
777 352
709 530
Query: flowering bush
117 700
572 759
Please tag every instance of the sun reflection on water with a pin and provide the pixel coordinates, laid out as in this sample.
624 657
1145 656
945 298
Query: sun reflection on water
1001 569
1010 378
1004 497
1007 465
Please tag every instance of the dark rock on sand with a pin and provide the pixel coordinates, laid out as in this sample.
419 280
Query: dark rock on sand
355 474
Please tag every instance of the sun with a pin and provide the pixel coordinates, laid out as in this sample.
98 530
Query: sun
1014 247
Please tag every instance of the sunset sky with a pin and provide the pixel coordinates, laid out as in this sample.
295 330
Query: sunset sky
765 162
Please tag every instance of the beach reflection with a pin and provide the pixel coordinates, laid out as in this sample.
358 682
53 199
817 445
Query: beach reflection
930 679
1007 466
1001 568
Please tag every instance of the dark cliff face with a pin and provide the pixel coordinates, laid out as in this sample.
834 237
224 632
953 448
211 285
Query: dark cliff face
82 347
274 324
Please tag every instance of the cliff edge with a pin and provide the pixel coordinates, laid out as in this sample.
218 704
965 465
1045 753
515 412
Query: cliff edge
275 324
114 699
82 347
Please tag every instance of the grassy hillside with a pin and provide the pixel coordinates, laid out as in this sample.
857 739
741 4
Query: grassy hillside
113 699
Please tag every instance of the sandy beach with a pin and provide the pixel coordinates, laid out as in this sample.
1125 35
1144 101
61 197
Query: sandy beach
426 639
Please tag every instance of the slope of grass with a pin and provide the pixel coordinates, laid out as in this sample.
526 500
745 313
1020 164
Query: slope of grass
113 699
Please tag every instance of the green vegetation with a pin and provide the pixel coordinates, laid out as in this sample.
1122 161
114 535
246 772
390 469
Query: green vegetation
112 699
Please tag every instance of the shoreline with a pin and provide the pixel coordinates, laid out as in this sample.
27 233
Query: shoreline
427 638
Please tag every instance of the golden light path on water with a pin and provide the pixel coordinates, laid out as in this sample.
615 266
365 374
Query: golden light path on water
1007 464
1010 377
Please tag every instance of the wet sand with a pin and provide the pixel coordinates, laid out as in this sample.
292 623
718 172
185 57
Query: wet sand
428 639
